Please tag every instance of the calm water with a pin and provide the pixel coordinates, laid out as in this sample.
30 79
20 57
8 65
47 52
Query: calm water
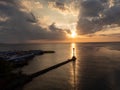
97 66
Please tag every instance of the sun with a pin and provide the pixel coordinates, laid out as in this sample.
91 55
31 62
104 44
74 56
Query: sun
73 34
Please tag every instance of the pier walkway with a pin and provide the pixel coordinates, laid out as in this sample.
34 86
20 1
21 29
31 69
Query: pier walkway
52 67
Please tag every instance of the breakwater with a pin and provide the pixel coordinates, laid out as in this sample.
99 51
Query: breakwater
52 68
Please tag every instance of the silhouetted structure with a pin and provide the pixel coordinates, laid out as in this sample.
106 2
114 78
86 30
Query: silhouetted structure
18 80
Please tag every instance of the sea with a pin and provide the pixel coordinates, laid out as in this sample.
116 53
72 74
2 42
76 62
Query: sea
97 66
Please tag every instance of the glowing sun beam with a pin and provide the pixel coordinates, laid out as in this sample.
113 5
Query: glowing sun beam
73 34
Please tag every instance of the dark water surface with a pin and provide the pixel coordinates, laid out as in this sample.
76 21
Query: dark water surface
97 66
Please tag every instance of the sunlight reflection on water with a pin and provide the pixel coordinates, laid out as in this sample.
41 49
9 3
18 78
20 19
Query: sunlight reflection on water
74 66
73 49
97 66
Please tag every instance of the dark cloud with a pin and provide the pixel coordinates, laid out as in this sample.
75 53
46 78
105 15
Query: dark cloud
32 19
112 15
91 8
9 1
64 6
97 14
53 28
52 33
110 35
21 26
59 5
86 26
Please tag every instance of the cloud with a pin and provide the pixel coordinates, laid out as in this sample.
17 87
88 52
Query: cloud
111 15
21 26
91 8
110 31
64 6
29 5
59 5
95 15
3 18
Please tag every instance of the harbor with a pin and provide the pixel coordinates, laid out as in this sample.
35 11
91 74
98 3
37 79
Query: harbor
17 80
21 58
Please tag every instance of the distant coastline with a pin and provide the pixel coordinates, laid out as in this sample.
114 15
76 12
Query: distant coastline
55 43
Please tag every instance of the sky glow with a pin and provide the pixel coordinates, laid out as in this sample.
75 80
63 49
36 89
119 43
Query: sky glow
59 20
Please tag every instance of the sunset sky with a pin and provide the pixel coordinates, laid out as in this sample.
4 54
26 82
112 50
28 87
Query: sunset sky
23 21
